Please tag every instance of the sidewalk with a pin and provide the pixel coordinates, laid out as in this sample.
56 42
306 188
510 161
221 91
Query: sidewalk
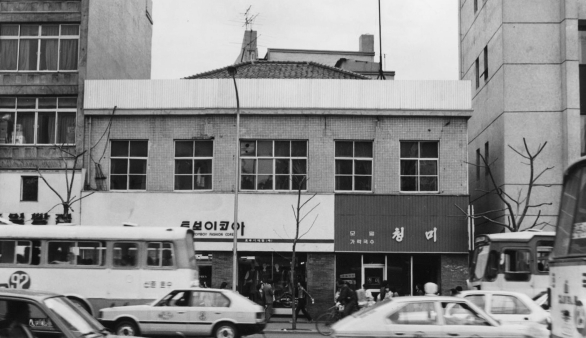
284 325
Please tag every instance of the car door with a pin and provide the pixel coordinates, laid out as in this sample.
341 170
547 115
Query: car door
200 313
509 308
462 321
170 315
414 319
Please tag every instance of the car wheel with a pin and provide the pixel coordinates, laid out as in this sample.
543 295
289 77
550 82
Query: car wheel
225 330
126 328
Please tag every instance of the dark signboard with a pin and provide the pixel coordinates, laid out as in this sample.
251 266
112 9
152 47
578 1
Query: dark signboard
399 223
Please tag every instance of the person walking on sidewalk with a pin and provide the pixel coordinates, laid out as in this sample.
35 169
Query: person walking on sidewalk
268 295
302 296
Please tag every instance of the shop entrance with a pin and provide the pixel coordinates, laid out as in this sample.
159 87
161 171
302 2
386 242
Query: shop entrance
372 278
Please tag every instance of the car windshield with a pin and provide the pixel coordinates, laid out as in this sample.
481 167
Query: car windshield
479 261
76 320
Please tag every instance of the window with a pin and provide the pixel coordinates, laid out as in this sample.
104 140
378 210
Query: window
43 120
30 188
517 265
77 253
486 158
508 305
209 299
193 165
33 47
419 162
458 313
18 252
273 165
478 300
415 314
176 298
478 164
544 248
31 315
125 254
159 254
477 68
128 165
485 72
353 165
475 6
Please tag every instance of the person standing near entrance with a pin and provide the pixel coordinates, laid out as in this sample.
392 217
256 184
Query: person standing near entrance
302 296
383 290
267 291
347 298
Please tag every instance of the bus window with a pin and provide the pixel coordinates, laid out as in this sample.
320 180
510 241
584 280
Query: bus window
492 268
16 252
125 254
567 209
516 265
543 251
77 253
159 254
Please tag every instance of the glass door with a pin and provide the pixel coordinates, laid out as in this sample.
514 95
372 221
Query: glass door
373 278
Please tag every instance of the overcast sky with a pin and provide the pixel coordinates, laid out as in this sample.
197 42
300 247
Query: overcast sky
419 37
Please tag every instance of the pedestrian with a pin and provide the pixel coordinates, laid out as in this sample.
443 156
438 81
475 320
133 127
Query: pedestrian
302 296
348 299
418 290
383 290
430 289
268 295
361 296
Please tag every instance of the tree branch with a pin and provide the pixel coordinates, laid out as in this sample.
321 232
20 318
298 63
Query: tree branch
312 224
50 187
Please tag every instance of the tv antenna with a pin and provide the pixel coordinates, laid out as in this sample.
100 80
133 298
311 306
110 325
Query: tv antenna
249 18
381 75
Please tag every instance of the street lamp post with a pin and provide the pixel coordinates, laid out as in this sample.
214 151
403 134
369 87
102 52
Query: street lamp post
232 72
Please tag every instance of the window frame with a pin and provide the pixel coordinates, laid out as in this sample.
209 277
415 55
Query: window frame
161 249
419 159
39 37
354 158
193 158
102 254
274 158
125 267
15 111
128 158
22 188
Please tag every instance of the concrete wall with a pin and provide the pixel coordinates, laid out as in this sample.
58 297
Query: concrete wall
119 39
320 131
532 92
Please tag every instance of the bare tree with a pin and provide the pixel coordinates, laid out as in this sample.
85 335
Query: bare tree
517 207
298 213
69 199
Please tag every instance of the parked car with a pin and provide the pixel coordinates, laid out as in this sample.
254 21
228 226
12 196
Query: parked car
26 313
429 316
191 312
509 306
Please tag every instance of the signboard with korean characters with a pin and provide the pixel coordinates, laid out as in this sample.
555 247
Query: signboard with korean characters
400 223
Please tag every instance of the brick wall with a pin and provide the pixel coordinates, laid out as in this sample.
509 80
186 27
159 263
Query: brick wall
320 131
221 268
454 272
321 281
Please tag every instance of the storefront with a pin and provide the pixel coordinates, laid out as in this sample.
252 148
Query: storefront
402 240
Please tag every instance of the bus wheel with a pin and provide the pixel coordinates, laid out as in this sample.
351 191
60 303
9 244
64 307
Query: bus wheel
126 328
225 330
81 304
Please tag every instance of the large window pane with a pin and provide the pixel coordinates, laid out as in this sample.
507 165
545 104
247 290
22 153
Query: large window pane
27 54
50 30
46 128
248 182
183 167
26 103
299 181
363 167
139 148
299 148
8 30
66 128
282 182
8 102
183 182
137 167
281 166
69 30
265 182
363 149
248 166
428 167
119 166
282 148
68 54
265 166
264 148
408 183
202 166
8 54
362 183
344 149
67 102
343 182
119 149
118 182
137 182
343 167
429 149
49 54
29 30
47 102
409 149
248 148
299 166
428 183
204 149
25 128
183 148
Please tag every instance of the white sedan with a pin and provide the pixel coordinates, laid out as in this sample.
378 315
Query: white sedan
508 306
429 316
191 312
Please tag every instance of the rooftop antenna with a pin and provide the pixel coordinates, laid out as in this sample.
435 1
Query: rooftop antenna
249 18
381 75
248 21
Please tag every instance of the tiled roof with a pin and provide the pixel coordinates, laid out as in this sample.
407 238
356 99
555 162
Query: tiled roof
260 69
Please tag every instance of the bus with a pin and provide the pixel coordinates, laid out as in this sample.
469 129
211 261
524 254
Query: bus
98 266
513 261
568 259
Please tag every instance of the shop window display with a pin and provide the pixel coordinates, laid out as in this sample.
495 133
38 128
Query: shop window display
264 268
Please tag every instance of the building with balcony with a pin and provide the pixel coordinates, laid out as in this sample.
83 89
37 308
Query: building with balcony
47 51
